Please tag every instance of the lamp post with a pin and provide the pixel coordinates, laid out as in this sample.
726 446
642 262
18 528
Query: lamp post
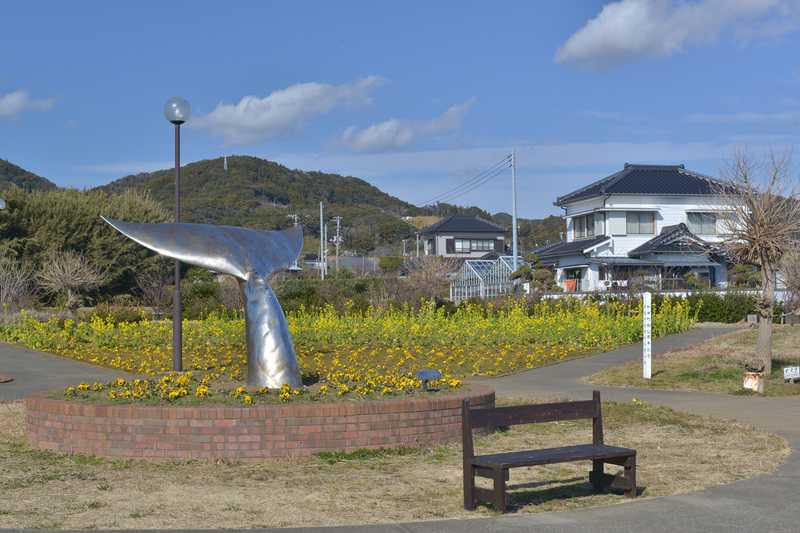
177 111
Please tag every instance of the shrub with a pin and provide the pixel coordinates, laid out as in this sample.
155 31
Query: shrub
390 263
730 308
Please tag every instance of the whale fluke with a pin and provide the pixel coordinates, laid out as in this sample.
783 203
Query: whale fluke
224 249
251 256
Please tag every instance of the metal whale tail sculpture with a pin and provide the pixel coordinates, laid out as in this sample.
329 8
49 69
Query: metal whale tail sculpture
250 256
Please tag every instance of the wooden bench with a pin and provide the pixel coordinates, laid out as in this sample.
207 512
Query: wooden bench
496 466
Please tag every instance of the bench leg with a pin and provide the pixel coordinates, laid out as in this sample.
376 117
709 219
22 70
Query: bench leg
596 476
500 490
469 488
630 476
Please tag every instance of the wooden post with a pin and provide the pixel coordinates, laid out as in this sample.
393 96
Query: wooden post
468 453
647 346
598 466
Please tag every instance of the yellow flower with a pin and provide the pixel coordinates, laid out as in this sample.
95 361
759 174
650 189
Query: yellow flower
247 399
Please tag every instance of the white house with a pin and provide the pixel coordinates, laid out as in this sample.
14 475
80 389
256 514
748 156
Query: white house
655 222
463 237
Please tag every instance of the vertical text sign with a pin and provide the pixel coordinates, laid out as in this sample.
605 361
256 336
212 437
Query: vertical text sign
647 347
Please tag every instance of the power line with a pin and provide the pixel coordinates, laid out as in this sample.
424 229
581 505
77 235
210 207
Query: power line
473 182
474 186
478 178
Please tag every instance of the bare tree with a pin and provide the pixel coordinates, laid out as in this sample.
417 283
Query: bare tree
763 222
428 275
230 294
154 285
15 284
70 274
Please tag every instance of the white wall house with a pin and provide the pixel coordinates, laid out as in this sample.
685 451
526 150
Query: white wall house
658 223
464 237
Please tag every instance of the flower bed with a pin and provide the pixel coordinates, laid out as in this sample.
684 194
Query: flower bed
244 433
369 350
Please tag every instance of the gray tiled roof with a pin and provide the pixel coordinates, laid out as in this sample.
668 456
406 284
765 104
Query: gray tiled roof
646 179
673 239
562 249
463 224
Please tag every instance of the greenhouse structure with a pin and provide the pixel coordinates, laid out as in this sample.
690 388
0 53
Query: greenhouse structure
484 278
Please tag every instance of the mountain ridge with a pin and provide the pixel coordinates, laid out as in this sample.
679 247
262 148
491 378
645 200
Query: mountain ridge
12 175
264 194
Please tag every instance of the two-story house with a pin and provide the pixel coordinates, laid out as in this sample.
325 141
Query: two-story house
464 237
657 222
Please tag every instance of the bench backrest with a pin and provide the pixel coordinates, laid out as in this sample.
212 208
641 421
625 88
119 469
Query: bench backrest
491 418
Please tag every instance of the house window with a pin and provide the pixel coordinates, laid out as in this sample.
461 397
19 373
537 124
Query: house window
465 246
482 245
640 223
583 226
703 223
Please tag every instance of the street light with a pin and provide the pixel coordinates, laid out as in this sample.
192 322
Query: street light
177 111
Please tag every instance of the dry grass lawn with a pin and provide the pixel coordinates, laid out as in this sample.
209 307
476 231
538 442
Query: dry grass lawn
46 490
714 366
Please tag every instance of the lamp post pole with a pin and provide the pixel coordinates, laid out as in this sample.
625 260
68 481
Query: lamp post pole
177 111
177 307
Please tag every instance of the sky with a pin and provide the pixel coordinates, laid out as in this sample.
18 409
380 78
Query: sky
415 97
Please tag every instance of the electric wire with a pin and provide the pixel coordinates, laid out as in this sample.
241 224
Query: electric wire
472 183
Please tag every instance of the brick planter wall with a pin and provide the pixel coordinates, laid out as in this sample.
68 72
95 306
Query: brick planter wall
244 433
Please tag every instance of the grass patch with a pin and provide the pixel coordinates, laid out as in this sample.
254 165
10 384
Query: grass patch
365 454
715 365
42 489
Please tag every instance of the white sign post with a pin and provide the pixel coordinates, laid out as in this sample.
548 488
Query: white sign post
647 346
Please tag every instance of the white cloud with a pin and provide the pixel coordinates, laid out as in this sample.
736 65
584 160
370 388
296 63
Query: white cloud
283 111
14 103
544 171
540 157
397 133
630 30
781 117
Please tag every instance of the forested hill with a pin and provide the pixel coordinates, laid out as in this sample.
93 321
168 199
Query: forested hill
11 174
260 193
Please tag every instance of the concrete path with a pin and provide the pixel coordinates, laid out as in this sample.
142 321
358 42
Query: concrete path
39 372
769 503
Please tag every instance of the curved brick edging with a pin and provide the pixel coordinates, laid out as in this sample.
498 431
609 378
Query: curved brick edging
244 433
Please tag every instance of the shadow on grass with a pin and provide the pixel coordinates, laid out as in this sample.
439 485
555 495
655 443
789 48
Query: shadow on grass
572 488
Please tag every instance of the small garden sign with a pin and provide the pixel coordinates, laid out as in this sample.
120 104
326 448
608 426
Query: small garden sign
791 373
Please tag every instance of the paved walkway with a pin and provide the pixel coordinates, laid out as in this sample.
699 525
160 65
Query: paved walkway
39 372
768 503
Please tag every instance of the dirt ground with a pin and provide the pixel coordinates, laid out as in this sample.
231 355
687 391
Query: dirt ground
47 490
713 366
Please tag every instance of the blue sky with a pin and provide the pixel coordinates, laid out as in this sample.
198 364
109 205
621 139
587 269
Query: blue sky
413 96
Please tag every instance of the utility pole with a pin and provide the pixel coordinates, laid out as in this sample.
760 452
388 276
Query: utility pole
514 207
321 242
325 263
337 239
295 219
417 244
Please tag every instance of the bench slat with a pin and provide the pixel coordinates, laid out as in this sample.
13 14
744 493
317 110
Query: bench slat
531 414
582 452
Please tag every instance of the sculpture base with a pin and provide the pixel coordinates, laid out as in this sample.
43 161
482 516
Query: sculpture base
137 431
